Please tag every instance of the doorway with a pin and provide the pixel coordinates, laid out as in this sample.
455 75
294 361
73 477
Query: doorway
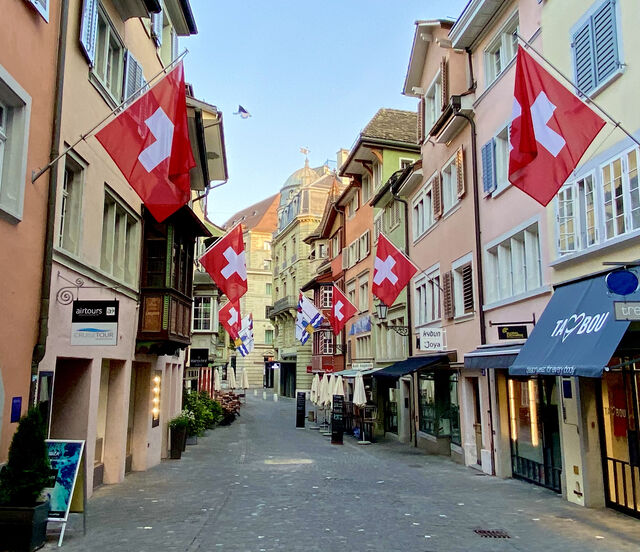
477 419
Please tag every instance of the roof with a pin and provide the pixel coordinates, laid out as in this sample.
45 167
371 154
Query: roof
476 15
393 124
260 216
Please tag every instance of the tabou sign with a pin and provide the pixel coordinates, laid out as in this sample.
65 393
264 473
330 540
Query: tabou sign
94 323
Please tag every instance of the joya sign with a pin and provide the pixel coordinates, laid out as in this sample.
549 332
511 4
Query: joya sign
579 324
432 339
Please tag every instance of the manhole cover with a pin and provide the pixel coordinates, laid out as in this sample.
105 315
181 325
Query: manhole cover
492 533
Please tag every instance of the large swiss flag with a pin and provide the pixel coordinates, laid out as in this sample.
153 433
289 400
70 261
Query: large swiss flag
341 311
149 141
225 263
229 316
550 131
392 271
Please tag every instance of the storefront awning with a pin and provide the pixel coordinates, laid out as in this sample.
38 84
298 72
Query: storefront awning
577 333
354 373
494 356
410 365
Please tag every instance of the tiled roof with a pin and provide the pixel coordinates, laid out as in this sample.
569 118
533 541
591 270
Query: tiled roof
260 216
393 124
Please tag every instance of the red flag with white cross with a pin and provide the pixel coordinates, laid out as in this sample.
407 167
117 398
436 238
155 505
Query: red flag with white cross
149 141
229 316
341 311
550 131
225 263
392 271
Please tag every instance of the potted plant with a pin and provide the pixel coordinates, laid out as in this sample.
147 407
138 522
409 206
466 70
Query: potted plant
178 430
23 515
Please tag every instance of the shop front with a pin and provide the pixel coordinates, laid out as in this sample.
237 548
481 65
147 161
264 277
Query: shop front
573 397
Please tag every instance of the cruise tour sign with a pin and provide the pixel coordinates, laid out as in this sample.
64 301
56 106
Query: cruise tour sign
94 323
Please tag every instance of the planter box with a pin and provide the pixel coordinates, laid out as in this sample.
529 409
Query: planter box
23 528
178 436
192 440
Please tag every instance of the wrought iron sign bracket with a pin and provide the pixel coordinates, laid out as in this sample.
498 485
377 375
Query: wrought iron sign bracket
68 294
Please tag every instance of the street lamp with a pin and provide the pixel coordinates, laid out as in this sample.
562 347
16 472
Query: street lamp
382 309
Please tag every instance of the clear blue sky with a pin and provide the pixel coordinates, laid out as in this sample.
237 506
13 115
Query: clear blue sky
311 73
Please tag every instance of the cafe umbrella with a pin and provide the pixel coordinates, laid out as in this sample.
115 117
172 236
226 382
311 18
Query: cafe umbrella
231 378
360 400
245 379
216 380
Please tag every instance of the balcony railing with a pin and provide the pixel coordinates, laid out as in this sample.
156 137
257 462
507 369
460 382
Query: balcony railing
283 304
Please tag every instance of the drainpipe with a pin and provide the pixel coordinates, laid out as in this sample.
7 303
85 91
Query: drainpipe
45 285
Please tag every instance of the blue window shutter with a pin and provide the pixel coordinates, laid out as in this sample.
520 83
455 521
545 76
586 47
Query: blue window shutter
133 77
583 58
157 22
89 29
605 40
488 167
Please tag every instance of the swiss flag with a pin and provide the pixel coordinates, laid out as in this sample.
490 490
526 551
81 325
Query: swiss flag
225 263
392 271
550 131
149 141
341 311
229 316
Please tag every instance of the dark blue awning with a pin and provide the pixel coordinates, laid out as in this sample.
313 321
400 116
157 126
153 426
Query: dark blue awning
412 364
491 357
577 333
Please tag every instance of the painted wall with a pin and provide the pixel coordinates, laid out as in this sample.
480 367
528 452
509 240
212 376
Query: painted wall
28 47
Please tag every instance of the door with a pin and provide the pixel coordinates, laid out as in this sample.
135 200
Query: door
477 424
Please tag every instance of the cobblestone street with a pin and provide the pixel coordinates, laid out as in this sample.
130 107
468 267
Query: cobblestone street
261 485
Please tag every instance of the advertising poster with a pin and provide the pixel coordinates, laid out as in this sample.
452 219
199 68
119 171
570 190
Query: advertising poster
65 458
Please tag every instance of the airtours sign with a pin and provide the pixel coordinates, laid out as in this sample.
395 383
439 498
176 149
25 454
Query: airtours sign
94 323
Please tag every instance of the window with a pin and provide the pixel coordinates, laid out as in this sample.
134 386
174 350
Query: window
422 210
438 405
433 102
202 314
393 214
378 223
495 162
71 205
351 293
366 188
15 112
502 50
322 250
42 7
576 216
513 265
266 264
363 292
595 47
377 175
462 273
353 255
364 245
268 287
266 246
120 241
134 80
109 57
449 185
353 206
326 343
404 163
268 337
363 347
326 299
389 344
335 245
621 195
427 297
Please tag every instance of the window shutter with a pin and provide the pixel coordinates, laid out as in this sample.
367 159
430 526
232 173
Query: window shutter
89 29
421 121
460 172
345 258
133 78
157 20
488 167
467 288
444 77
436 189
447 293
174 45
606 41
583 58
377 226
367 242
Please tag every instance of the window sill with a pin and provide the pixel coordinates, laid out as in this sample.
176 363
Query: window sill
501 188
451 210
464 318
611 244
517 298
604 84
424 234
102 90
495 82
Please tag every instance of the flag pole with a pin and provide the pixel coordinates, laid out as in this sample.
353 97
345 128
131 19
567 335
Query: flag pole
86 135
617 124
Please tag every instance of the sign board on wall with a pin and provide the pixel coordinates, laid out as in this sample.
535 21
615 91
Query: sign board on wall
512 332
432 339
198 358
94 323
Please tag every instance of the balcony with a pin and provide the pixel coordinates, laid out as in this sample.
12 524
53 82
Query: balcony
283 304
165 323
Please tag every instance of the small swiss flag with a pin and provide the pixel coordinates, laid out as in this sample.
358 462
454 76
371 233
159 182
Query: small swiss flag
230 319
341 311
392 271
550 131
225 263
149 141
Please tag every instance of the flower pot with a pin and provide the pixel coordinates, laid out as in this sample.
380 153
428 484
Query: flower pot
23 528
178 435
192 439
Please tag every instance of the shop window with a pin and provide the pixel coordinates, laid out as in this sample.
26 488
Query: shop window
439 411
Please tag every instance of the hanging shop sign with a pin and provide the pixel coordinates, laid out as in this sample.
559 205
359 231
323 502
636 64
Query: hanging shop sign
622 282
94 323
627 310
432 339
512 332
198 358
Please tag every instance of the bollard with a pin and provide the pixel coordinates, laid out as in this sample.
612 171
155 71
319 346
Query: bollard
264 395
275 397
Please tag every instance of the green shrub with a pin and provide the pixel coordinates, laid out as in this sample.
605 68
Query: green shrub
182 420
28 470
202 416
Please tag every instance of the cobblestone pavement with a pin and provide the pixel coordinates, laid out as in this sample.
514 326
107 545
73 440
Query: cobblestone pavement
261 485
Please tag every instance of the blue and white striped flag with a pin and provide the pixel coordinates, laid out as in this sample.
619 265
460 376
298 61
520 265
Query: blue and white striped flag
308 320
244 342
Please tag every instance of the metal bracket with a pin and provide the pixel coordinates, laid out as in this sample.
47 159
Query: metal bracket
400 330
65 295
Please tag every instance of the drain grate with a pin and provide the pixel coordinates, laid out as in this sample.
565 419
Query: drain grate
492 533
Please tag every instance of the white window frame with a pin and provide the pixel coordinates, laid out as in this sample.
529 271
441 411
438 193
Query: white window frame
363 346
363 292
449 188
433 103
378 225
200 320
427 289
377 174
404 162
100 69
422 209
626 196
577 225
16 103
458 289
42 7
353 206
354 253
502 50
366 188
351 292
364 246
326 297
71 197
